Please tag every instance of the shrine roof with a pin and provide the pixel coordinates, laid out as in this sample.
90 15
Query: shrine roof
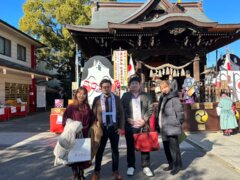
107 13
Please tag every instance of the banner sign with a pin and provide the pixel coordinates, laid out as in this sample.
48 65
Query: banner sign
96 69
119 59
41 96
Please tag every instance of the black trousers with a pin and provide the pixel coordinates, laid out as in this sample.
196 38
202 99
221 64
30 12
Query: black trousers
145 156
112 134
172 151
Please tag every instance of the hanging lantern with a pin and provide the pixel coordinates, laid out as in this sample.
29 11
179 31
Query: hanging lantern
151 73
182 72
167 71
174 73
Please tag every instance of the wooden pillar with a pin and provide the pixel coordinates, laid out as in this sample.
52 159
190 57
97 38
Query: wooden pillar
196 68
140 73
32 93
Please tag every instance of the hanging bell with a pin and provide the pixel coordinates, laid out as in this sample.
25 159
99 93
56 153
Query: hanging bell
182 72
167 71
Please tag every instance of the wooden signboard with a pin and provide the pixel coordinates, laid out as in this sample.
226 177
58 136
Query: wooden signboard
224 84
218 91
195 106
201 127
208 105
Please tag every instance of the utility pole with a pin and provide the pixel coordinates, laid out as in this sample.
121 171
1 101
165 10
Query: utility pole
216 61
76 67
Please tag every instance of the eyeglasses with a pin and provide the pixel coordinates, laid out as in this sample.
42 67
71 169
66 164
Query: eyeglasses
105 87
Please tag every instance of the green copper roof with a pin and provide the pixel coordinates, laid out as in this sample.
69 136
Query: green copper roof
101 17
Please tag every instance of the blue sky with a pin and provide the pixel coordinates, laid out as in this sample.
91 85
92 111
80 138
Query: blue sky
224 12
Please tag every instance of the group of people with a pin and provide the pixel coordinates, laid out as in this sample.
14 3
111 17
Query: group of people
127 116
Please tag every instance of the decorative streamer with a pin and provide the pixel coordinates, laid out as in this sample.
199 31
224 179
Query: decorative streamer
151 73
160 73
182 72
4 71
177 73
166 65
167 71
174 73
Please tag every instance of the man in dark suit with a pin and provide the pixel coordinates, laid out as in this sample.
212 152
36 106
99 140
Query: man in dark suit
138 108
107 109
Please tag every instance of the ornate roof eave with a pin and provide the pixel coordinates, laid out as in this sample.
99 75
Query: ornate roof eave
111 4
192 4
214 26
86 29
148 5
226 27
161 23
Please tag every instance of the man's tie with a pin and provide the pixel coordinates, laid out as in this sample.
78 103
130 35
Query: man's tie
107 110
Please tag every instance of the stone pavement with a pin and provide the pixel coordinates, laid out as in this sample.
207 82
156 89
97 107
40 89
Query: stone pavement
224 148
26 140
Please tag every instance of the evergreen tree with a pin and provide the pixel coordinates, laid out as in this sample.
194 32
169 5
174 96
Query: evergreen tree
45 20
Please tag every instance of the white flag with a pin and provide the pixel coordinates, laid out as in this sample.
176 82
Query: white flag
131 69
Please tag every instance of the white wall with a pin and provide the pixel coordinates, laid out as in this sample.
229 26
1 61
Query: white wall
14 41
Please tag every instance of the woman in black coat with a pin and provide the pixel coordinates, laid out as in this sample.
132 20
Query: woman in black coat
170 117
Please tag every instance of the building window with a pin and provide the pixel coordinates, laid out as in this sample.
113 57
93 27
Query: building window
5 46
21 53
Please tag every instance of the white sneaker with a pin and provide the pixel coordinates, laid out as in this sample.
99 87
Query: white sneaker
147 171
130 171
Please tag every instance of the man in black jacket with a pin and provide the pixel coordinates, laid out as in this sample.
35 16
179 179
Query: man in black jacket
170 117
138 108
